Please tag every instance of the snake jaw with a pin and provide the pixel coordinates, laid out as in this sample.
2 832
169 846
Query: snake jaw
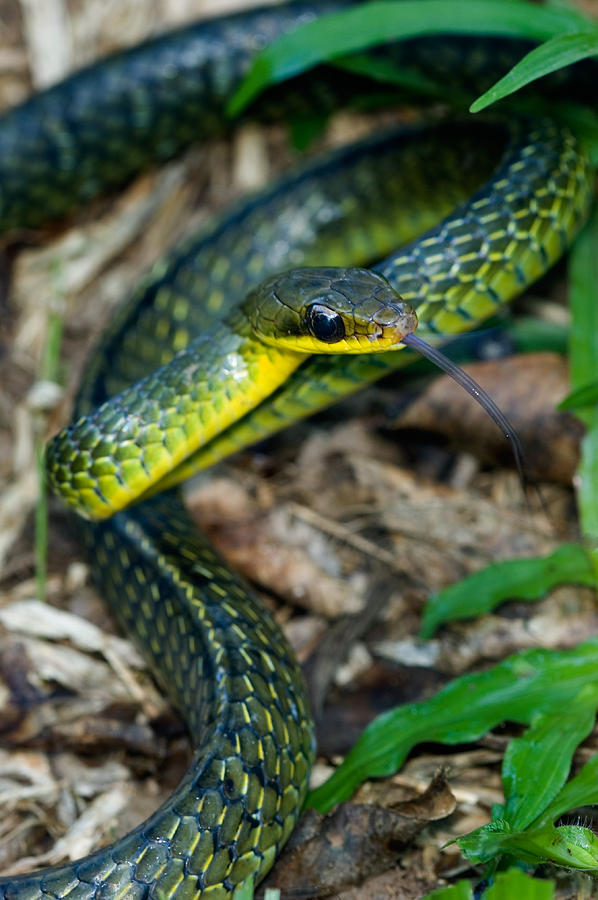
397 332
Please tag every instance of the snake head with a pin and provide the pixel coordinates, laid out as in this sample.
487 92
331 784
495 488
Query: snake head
329 310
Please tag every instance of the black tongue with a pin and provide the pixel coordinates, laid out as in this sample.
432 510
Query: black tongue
478 394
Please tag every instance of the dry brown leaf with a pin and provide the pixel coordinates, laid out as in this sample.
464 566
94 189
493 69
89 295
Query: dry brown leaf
327 853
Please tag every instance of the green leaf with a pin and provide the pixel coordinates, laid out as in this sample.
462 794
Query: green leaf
486 843
582 844
556 53
583 276
585 396
383 21
579 791
524 579
517 689
507 886
460 891
583 350
530 335
515 883
305 129
568 846
385 70
49 371
537 764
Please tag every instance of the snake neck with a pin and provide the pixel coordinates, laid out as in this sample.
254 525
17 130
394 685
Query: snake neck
123 449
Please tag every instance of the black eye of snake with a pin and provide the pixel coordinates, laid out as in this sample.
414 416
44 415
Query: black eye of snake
325 324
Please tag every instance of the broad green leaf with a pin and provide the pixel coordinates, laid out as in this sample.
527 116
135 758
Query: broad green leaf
582 844
460 891
570 846
585 396
579 791
583 347
524 579
516 689
485 843
515 884
556 53
382 21
537 764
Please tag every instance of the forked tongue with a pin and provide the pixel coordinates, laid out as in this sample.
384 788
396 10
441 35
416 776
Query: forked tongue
478 394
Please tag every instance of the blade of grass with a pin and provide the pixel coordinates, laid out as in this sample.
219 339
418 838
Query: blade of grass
556 53
382 21
581 398
531 334
525 579
583 345
40 545
48 372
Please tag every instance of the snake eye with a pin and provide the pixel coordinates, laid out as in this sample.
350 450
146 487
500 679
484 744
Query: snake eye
325 324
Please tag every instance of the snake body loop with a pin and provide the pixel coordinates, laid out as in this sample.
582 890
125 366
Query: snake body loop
477 227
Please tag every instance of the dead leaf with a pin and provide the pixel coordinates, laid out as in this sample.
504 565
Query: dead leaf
354 842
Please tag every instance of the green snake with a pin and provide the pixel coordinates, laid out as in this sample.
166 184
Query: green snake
218 349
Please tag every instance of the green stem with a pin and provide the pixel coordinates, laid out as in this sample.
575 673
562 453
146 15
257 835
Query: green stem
583 268
48 372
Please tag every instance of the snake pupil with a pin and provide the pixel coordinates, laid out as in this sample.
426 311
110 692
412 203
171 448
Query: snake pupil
325 324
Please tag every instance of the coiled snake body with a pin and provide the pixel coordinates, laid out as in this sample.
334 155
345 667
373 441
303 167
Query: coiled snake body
234 370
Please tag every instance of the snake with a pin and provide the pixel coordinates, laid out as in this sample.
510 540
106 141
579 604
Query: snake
294 298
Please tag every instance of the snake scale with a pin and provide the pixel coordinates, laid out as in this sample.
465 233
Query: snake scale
477 223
